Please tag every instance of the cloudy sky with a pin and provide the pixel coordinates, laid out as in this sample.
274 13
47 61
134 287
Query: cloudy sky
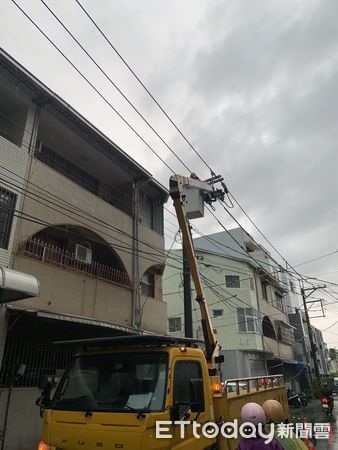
252 84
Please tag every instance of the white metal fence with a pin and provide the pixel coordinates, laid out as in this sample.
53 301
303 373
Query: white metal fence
49 253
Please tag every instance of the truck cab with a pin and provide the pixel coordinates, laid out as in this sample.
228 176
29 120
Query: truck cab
128 392
112 394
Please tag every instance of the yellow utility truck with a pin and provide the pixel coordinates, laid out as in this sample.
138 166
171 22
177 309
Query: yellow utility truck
147 392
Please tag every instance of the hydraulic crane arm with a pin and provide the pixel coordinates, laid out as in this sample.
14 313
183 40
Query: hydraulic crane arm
189 195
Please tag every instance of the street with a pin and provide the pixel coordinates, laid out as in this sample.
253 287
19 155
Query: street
314 414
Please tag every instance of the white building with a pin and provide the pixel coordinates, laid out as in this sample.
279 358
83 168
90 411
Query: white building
246 303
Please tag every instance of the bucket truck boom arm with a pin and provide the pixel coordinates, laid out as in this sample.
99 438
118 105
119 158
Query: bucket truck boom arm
189 195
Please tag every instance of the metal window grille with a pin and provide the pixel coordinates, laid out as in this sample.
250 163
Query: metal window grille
83 178
51 254
264 290
286 335
148 285
7 209
217 312
232 281
248 320
41 358
279 302
175 324
151 213
146 213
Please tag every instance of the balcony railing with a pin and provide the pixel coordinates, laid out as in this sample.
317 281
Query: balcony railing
51 254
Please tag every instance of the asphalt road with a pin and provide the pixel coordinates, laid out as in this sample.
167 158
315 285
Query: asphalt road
313 413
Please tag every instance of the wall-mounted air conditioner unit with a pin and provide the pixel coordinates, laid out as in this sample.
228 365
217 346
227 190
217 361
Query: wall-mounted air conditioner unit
83 254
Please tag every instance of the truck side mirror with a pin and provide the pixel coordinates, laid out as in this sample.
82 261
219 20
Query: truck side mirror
178 411
196 395
44 400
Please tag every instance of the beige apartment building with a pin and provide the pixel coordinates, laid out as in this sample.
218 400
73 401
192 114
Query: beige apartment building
82 217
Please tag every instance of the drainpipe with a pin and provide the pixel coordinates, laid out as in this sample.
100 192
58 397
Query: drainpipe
17 375
135 312
30 156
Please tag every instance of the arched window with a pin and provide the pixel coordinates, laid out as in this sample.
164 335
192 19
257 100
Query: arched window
78 249
268 329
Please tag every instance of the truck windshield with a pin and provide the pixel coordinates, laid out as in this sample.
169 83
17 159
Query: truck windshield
114 382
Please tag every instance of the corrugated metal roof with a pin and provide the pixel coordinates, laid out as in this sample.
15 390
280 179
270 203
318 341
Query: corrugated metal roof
76 319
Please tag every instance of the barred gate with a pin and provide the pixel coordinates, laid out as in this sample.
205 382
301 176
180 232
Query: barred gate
40 357
30 340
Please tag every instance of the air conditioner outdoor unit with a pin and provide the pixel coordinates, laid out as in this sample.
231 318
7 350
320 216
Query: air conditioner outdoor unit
83 254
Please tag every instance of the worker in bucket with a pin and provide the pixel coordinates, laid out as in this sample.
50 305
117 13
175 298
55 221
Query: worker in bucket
275 414
257 438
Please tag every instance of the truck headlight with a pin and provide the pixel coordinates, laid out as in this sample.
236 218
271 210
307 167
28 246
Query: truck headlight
43 446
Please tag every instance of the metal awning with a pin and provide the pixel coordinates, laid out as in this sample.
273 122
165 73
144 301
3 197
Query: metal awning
285 324
294 362
290 361
16 285
76 319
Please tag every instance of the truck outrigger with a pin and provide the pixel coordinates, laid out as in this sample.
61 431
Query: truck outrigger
117 390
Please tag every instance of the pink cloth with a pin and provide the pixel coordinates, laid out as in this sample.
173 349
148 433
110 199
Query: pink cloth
259 444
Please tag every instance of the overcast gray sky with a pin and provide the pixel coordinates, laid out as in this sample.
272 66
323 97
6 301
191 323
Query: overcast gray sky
252 84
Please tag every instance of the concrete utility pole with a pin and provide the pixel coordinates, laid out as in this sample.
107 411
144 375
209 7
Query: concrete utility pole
188 328
298 312
307 317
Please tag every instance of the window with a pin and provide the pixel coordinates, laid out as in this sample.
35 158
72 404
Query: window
292 286
148 285
286 334
146 211
151 213
232 281
252 284
184 372
67 168
117 383
13 116
279 301
7 209
217 312
264 290
248 320
175 324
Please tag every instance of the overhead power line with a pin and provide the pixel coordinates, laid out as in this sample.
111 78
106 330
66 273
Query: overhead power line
132 71
121 193
33 219
232 216
331 326
80 73
316 259
69 213
209 238
115 85
93 86
113 47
